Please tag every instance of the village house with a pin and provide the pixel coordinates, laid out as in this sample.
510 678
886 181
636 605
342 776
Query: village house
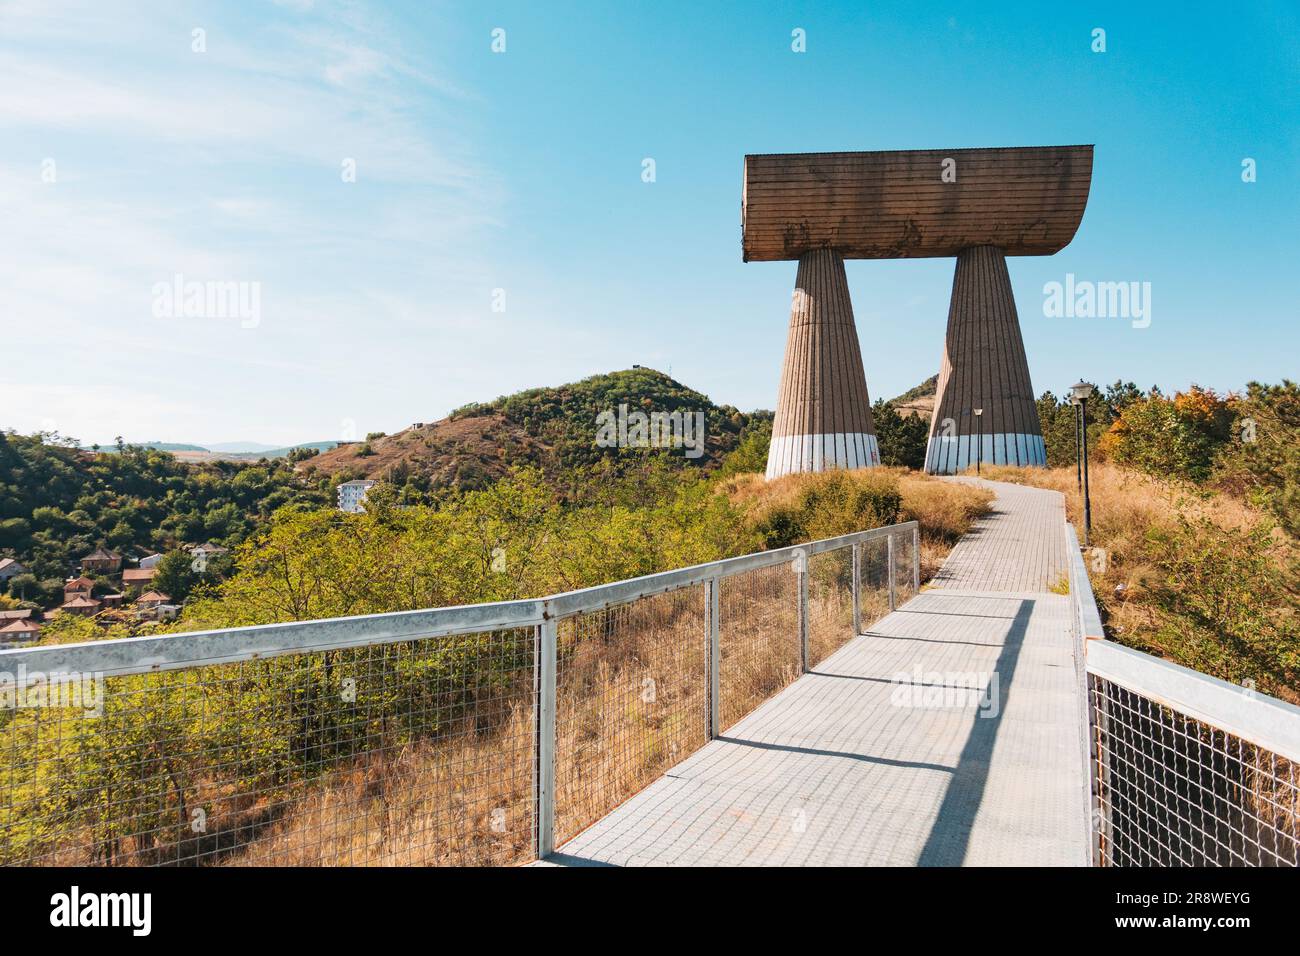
111 600
10 568
149 561
19 630
82 605
352 495
78 587
17 614
202 552
155 606
138 577
102 560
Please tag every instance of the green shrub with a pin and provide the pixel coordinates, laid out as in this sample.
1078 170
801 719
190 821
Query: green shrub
1261 460
1229 596
830 504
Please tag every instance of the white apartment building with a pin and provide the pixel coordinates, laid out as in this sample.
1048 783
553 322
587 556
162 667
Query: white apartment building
352 495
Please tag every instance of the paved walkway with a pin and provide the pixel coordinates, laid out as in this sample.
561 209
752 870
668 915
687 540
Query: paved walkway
1019 547
884 755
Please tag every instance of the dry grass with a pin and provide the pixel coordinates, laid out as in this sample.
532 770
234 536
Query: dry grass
1129 509
630 701
453 802
945 510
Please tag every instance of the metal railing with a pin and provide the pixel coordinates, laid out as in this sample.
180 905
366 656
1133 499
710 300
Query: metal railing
483 734
1186 769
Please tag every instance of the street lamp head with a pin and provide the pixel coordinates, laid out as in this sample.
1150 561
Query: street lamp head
1082 391
978 412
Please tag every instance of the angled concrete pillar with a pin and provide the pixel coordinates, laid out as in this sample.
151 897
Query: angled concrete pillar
823 414
983 367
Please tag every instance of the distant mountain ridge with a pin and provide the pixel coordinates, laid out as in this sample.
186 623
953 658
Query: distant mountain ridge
231 451
239 447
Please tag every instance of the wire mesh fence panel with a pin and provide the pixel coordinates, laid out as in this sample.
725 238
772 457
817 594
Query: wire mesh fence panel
758 638
630 701
830 603
904 556
419 752
1173 791
873 581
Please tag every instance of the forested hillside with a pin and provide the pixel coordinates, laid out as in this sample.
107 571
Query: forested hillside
57 502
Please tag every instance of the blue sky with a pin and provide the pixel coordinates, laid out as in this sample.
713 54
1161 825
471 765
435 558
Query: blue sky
521 171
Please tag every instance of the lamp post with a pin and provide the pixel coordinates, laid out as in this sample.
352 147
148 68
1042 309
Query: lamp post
1078 459
1082 392
979 429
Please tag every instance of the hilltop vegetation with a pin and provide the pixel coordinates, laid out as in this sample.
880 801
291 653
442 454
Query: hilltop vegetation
553 429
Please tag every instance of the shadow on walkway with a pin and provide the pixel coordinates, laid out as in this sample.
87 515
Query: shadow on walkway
950 835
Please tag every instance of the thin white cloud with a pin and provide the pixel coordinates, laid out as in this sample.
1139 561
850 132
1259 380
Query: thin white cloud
226 166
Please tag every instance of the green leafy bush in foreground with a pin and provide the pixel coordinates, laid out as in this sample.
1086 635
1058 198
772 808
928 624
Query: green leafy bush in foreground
1229 599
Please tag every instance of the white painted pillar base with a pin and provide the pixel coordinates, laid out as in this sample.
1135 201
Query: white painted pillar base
954 454
821 453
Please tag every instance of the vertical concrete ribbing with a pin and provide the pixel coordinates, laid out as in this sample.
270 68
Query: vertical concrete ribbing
983 366
823 411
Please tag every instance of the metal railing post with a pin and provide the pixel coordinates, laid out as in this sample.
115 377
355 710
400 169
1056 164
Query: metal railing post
801 570
715 658
916 560
893 596
1099 771
544 770
857 595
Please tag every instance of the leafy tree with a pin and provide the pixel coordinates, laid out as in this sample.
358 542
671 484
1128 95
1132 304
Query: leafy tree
750 454
175 575
1260 461
1059 421
902 439
1175 437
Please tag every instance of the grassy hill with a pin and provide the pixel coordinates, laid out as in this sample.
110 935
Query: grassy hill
553 428
918 401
